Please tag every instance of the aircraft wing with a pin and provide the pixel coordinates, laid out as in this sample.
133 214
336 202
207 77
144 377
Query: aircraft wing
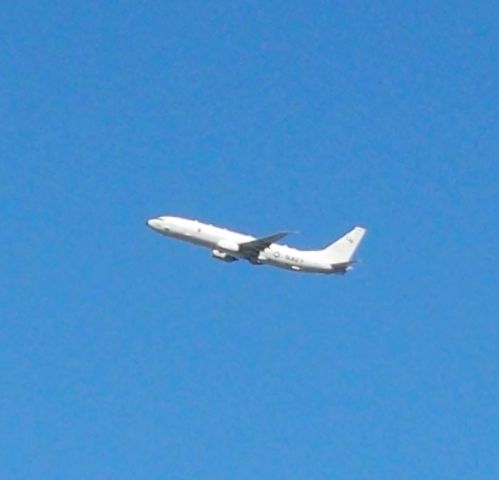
254 247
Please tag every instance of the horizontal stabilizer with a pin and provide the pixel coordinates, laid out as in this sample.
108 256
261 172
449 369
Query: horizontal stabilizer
343 267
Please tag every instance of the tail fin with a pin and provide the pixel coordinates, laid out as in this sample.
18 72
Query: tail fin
343 249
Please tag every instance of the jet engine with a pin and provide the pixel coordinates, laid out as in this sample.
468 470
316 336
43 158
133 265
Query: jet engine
225 257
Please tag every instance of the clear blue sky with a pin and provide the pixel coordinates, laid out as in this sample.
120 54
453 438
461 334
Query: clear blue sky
126 355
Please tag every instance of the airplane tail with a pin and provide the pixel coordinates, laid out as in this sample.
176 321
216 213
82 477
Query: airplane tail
343 249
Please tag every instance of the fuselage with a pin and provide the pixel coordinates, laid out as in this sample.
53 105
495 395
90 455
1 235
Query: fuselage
224 245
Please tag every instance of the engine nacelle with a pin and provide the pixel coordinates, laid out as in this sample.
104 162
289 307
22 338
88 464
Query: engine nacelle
228 246
225 257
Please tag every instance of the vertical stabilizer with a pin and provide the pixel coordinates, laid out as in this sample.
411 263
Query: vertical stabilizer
343 249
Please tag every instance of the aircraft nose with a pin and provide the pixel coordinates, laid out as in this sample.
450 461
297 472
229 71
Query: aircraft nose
154 223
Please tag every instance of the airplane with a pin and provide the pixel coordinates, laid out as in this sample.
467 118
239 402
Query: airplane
229 246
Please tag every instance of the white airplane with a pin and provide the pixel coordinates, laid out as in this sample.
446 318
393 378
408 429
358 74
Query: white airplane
230 246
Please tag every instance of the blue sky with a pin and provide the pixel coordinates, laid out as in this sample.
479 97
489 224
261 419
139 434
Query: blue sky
127 355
